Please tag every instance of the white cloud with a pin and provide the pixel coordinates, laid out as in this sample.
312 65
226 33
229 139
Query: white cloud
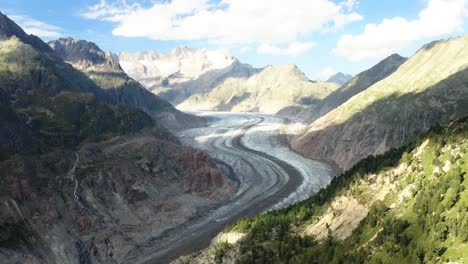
293 49
439 18
244 49
229 22
350 4
36 27
109 11
325 73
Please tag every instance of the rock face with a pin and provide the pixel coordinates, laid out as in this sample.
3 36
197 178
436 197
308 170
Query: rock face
429 88
182 72
268 91
103 201
84 54
104 68
86 174
180 65
339 78
205 83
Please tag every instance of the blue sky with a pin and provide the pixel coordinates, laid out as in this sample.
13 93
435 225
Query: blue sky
320 36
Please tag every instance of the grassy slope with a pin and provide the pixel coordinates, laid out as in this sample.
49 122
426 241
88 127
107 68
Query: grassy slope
421 217
429 88
24 69
267 91
425 69
355 85
361 82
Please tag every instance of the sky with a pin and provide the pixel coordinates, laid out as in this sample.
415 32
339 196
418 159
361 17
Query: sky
321 36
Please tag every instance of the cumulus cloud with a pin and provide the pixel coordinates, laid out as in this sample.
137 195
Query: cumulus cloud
109 11
325 73
293 49
36 27
440 17
229 22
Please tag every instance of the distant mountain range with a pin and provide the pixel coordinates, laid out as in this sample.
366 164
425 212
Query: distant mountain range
268 91
339 78
182 64
197 79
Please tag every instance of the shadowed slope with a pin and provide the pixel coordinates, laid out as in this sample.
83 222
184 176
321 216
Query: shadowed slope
354 86
429 88
104 69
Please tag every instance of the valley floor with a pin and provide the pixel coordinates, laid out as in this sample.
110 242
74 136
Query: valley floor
270 176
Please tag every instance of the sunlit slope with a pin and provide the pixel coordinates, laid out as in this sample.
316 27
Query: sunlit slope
355 85
429 88
268 91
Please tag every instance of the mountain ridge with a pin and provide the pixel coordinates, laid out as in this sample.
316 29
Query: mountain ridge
268 91
151 68
104 68
362 125
352 87
8 29
339 78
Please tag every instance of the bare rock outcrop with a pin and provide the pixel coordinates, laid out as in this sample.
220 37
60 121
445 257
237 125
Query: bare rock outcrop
104 201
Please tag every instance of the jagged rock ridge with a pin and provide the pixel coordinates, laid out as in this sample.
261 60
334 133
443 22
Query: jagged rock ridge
104 69
181 64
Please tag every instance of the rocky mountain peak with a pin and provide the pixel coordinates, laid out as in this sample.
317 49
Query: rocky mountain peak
340 78
392 59
287 71
180 50
147 55
181 64
83 54
8 29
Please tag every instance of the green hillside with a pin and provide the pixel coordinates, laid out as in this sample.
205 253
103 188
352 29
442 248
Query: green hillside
46 103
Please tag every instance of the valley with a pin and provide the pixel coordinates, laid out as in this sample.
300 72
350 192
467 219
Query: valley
270 176
258 146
